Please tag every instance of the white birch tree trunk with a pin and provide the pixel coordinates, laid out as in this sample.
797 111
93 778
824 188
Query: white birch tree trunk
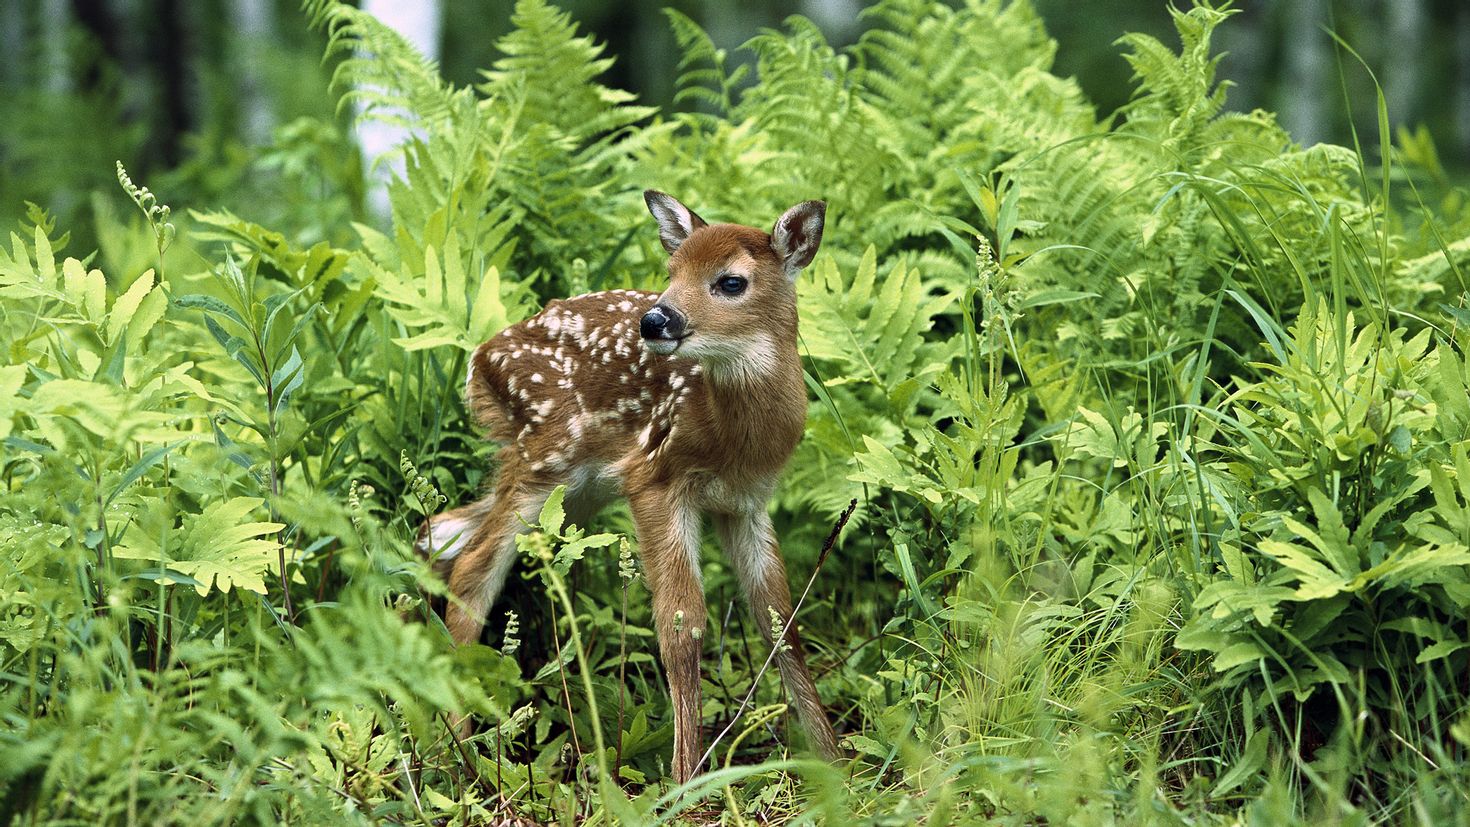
1308 68
253 22
1404 60
419 22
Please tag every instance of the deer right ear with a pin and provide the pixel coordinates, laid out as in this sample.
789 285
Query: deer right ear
798 234
676 222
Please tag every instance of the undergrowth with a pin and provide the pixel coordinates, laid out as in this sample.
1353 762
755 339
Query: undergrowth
1155 421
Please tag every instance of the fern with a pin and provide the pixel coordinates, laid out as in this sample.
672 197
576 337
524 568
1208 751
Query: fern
873 329
443 305
702 74
216 548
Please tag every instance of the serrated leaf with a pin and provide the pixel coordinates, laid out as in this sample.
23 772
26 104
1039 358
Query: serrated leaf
219 547
573 551
147 314
124 306
74 282
487 316
94 296
553 513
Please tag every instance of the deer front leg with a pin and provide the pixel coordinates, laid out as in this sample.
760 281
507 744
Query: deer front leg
668 541
750 544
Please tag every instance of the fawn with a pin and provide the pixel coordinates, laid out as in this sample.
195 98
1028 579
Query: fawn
687 402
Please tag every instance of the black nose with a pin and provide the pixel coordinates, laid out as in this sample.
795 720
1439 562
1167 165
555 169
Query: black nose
661 323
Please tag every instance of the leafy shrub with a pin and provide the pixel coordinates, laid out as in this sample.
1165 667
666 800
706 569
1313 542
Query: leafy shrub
1156 422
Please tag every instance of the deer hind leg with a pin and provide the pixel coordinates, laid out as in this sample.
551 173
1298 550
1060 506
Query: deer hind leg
443 536
750 543
482 565
668 543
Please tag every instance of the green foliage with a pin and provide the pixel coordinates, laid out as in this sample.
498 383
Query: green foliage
1157 423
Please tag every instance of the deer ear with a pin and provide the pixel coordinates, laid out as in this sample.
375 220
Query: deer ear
676 222
798 234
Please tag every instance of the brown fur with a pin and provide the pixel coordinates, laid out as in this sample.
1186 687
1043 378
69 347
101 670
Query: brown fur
578 398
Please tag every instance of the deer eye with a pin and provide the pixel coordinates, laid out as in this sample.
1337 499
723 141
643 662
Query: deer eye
732 285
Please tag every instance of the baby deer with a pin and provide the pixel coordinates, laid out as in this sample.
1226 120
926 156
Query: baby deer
687 402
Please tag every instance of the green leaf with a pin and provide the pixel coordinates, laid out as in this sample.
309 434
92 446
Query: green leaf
218 547
1315 580
573 551
287 378
1248 766
553 514
94 297
140 468
1236 654
124 306
45 259
211 304
1442 649
11 378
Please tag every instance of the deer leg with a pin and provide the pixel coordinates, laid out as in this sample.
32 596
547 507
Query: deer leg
750 543
668 541
481 567
443 536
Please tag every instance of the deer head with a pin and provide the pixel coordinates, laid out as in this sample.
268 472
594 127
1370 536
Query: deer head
731 298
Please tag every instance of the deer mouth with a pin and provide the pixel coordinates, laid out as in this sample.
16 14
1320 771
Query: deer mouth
665 346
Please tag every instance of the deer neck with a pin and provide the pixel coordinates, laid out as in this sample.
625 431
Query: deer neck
757 404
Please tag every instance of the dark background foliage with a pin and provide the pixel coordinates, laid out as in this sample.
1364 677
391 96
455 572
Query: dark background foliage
187 88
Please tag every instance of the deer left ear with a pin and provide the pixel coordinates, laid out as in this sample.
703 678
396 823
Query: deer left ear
676 222
798 234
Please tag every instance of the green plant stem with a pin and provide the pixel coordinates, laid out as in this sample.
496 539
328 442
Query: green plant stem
558 588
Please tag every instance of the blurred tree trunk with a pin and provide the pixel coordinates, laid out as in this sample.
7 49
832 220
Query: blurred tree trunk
13 41
1247 43
55 20
1404 58
253 22
420 24
1461 46
168 40
1308 64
